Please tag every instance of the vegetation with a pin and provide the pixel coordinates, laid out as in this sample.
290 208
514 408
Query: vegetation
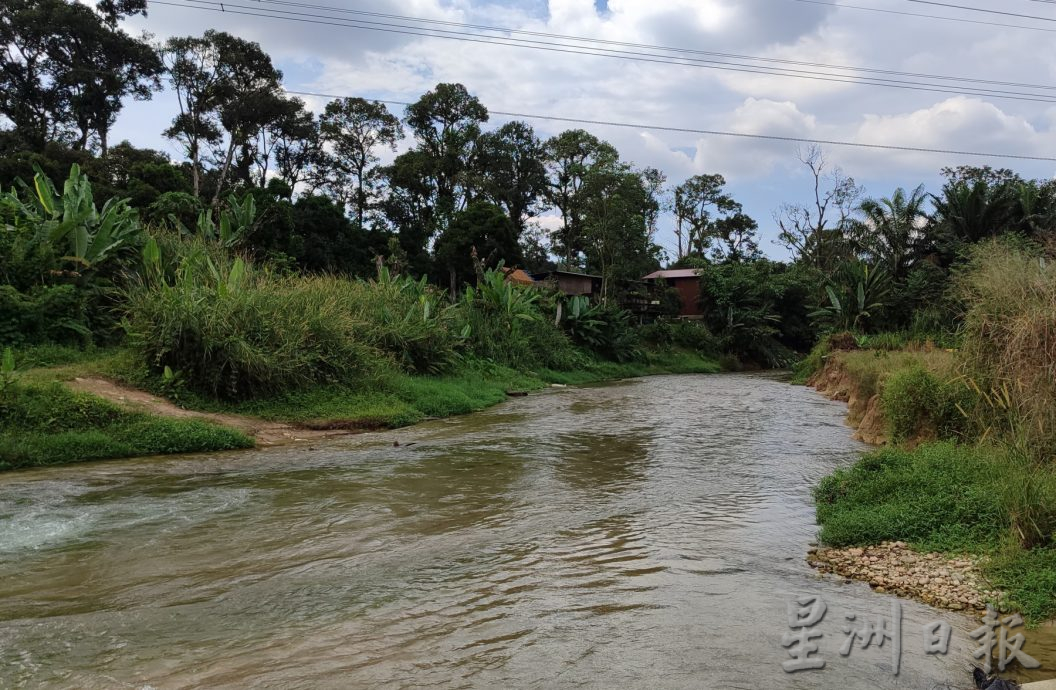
987 485
50 424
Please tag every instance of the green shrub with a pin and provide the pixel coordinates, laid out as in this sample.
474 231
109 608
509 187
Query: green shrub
916 402
232 332
602 328
56 313
812 363
665 334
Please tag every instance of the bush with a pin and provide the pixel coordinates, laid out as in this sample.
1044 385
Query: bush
665 334
505 323
916 403
56 313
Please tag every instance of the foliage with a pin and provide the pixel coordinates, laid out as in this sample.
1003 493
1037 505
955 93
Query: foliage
504 322
71 222
938 496
755 309
55 314
944 497
918 404
482 232
890 232
1009 344
666 334
601 328
235 331
857 300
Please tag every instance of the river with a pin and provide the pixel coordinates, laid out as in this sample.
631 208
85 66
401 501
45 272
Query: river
642 534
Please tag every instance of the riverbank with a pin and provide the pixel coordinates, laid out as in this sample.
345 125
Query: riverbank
975 514
68 405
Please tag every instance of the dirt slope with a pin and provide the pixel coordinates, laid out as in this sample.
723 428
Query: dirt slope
264 432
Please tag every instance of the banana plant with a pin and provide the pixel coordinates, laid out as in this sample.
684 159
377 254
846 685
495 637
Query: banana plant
860 298
235 221
70 221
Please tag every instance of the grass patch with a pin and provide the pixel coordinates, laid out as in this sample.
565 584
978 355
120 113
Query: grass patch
49 424
950 498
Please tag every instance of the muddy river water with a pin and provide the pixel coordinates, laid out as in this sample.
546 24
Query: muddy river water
642 534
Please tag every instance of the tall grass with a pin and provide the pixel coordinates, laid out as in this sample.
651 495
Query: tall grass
1009 343
233 330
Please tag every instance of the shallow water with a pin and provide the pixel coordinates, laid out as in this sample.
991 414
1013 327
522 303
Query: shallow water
644 534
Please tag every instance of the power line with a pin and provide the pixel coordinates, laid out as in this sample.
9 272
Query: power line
234 8
625 44
979 9
960 20
712 132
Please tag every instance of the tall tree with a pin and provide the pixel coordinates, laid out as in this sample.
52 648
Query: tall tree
514 174
697 203
355 128
65 69
410 206
193 67
618 236
483 230
736 238
251 96
815 232
570 157
446 122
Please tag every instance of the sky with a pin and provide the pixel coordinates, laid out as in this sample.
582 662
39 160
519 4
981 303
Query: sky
761 174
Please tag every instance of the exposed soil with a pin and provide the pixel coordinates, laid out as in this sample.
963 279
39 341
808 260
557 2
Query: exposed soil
864 414
264 432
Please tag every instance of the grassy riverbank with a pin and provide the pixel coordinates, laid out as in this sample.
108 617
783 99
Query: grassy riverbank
969 466
42 422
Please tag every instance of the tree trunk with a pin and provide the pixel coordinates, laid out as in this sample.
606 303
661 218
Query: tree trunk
223 171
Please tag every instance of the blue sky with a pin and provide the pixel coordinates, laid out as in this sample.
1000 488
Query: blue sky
762 175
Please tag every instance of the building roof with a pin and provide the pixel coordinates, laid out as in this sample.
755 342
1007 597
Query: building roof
518 276
545 274
673 273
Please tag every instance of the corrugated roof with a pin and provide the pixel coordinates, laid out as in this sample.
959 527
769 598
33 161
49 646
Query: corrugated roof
518 276
672 273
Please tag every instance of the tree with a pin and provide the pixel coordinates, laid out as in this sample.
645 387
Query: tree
891 231
104 66
196 80
250 96
695 202
482 229
446 122
66 69
355 128
570 156
618 236
814 232
298 150
225 86
410 206
736 234
514 174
